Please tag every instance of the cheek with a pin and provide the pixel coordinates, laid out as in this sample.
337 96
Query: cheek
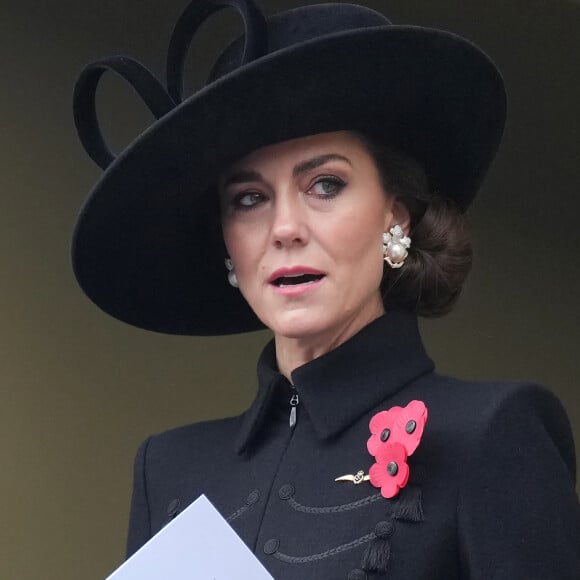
361 238
242 246
234 243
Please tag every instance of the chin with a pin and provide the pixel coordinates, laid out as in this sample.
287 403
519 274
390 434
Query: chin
298 324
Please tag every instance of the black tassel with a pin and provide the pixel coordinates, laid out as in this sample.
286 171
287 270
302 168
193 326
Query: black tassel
409 506
376 556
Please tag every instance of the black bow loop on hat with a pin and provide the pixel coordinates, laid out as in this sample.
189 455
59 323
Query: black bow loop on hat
196 13
84 107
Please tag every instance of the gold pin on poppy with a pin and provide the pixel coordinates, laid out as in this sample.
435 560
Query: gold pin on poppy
357 478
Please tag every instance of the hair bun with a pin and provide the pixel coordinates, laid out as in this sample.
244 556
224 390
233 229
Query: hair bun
439 261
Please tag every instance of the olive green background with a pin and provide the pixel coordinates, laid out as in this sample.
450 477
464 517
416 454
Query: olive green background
80 390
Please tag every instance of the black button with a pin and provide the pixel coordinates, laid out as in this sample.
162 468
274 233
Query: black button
385 434
392 468
173 507
253 497
384 529
356 574
271 546
410 426
286 491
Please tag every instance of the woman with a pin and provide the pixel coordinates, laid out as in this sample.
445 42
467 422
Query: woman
327 165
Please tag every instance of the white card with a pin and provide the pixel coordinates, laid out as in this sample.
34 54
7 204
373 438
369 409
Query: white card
197 545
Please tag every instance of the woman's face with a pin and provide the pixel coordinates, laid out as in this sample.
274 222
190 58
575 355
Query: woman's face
303 223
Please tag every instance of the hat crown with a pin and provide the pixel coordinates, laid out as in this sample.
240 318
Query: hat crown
298 26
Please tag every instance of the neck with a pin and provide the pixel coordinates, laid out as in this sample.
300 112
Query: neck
293 352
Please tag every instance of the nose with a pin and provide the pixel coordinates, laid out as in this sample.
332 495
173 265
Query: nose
289 225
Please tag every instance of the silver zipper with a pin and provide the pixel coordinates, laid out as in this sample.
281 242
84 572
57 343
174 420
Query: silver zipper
293 404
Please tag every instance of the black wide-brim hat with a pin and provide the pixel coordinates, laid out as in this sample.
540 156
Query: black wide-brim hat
147 247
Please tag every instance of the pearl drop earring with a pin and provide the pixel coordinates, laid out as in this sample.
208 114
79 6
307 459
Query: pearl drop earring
395 246
232 278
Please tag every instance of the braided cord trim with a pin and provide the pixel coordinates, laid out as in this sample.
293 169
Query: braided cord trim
335 508
320 556
238 512
251 500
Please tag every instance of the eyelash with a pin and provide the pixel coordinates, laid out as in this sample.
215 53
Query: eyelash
324 179
237 200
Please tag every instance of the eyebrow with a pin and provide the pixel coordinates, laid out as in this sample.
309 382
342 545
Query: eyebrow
315 162
244 176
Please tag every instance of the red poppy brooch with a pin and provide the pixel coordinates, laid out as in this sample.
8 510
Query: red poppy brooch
395 435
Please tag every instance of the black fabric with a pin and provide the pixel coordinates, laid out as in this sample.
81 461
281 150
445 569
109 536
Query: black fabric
147 246
491 492
85 109
192 18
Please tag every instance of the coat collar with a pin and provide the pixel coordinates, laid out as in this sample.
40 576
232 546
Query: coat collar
339 387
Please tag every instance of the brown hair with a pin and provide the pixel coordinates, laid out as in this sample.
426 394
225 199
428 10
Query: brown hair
440 255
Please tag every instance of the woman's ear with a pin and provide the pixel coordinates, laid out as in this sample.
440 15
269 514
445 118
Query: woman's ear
399 216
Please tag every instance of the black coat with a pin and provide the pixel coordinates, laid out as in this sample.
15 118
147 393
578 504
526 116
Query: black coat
491 493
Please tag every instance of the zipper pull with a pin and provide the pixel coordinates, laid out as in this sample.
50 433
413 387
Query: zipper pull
293 404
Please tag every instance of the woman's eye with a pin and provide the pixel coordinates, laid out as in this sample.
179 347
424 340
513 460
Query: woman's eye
327 187
247 199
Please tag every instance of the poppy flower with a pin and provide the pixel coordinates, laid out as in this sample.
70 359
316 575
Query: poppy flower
391 471
403 425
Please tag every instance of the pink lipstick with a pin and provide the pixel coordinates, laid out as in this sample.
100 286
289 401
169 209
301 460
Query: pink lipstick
295 280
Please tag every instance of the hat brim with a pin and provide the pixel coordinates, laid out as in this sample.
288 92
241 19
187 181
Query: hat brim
147 246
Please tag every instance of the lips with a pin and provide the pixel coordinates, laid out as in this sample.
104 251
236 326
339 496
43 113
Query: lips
285 281
295 276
